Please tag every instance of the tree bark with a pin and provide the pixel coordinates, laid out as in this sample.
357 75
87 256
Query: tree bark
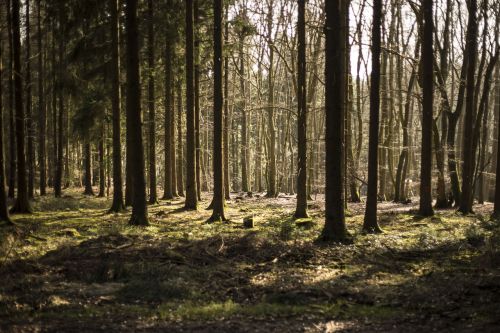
134 124
336 32
301 208
4 211
12 130
467 154
191 202
30 152
88 168
425 206
42 109
153 197
167 185
117 204
370 221
218 198
226 110
271 181
22 203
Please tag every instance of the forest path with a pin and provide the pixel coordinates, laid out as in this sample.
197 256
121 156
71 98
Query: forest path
71 267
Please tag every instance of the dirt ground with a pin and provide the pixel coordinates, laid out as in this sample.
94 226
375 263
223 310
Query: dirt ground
71 267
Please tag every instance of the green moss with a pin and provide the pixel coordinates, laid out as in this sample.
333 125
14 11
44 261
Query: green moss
228 309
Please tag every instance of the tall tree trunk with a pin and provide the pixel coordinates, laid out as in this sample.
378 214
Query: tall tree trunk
191 189
22 204
336 32
467 153
59 129
226 110
218 199
117 204
180 148
271 181
102 165
42 109
301 209
88 168
30 152
244 116
153 197
139 207
370 221
12 129
197 97
425 207
496 133
4 211
496 209
173 128
167 185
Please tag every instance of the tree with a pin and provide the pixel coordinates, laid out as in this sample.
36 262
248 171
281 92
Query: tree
168 165
12 135
4 212
134 127
467 153
226 109
370 222
58 118
271 172
218 198
191 190
117 204
22 204
30 152
42 109
87 151
153 198
496 208
425 208
301 209
336 33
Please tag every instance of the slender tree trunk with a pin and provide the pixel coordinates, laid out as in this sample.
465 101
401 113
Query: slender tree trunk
191 192
467 153
370 221
167 187
42 110
244 117
218 199
271 181
22 204
153 197
117 204
12 129
197 117
59 128
301 209
180 149
102 165
226 110
30 152
4 211
88 168
496 133
173 128
425 208
139 207
496 209
336 32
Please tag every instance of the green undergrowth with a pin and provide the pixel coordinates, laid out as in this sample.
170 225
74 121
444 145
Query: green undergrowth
79 262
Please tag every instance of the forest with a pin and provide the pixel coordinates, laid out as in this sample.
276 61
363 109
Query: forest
249 166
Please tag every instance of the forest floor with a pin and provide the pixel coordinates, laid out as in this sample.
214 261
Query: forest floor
71 267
